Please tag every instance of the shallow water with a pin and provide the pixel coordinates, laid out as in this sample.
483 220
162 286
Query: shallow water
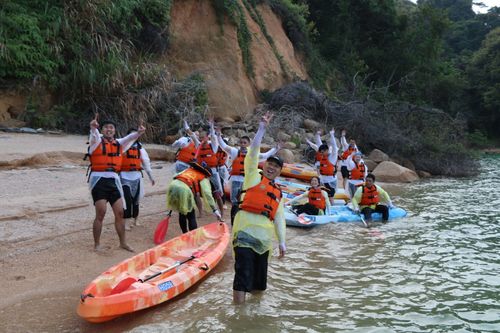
435 271
438 270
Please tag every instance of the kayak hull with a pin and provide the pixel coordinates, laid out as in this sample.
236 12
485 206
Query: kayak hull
208 244
338 214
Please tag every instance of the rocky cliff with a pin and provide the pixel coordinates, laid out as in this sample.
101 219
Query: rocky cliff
199 43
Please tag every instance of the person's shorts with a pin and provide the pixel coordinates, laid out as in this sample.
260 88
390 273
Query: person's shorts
236 187
106 189
216 183
250 270
330 188
344 171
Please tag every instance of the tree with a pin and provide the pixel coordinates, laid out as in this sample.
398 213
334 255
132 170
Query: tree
484 73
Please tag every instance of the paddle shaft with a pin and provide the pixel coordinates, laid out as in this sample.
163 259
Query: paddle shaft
177 264
363 219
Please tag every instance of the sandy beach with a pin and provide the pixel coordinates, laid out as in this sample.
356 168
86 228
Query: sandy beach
46 244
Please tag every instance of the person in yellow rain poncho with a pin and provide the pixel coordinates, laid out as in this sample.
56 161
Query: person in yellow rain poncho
193 181
259 220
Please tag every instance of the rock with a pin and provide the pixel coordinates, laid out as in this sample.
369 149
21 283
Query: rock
265 147
27 130
311 125
167 154
391 172
378 156
282 136
289 145
287 155
169 139
370 164
226 120
423 174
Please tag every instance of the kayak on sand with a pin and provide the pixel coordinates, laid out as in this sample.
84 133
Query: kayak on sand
155 275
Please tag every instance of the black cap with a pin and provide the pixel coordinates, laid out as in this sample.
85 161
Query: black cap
276 159
201 168
107 122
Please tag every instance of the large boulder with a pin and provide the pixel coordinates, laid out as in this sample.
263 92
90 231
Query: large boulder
378 156
311 125
286 155
391 172
370 164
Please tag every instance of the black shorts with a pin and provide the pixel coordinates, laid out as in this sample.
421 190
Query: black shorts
330 190
106 189
344 172
250 270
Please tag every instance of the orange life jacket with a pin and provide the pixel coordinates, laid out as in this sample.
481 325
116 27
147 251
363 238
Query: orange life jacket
207 155
346 153
131 160
326 168
370 196
186 154
316 198
238 166
107 156
192 178
221 157
358 172
263 198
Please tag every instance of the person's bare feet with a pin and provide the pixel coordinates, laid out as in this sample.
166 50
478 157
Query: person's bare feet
126 247
100 248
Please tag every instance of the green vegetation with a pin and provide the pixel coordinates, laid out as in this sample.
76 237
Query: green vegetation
101 56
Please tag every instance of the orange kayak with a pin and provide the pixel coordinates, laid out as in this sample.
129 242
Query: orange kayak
298 171
176 265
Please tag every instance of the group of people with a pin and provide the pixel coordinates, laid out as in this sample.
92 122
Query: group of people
366 197
204 163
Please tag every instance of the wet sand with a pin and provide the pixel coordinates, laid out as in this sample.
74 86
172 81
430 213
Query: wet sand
46 244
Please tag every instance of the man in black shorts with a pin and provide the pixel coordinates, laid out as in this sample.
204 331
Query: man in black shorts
105 158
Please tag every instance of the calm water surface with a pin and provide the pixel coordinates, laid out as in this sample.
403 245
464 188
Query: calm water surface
436 271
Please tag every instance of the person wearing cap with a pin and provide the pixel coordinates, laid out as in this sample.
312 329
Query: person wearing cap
317 200
347 150
106 154
326 162
259 221
134 161
371 198
237 168
181 192
357 171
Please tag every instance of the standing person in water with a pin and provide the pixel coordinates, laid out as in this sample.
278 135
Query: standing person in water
317 200
106 154
237 170
135 159
259 220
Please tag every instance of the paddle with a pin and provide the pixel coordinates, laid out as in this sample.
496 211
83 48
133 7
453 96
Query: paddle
301 218
128 281
363 219
161 229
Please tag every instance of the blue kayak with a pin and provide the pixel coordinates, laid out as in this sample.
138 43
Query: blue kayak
337 213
